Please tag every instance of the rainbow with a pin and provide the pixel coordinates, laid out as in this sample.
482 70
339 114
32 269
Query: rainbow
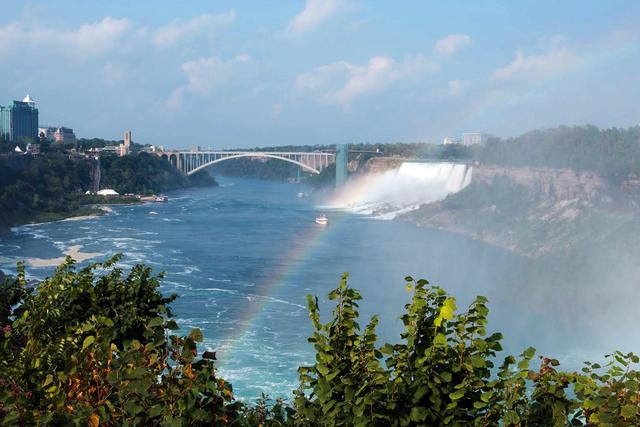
288 265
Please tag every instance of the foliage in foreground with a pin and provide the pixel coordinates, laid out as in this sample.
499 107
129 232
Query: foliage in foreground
97 346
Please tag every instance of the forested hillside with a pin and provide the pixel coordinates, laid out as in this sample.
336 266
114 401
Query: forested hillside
147 174
41 189
52 186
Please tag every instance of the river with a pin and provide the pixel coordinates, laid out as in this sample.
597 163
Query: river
242 258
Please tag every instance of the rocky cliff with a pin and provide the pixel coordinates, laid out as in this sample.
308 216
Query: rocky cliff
557 184
532 211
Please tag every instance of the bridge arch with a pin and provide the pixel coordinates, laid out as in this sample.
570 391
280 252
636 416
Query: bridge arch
271 156
173 159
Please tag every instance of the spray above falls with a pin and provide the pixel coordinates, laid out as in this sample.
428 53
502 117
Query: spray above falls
387 194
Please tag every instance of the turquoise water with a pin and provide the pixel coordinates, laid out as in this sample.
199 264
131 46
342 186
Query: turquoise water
243 257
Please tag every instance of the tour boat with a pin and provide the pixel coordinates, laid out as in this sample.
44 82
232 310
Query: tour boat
322 220
161 198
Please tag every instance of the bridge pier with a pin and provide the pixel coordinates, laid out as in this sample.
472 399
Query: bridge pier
341 163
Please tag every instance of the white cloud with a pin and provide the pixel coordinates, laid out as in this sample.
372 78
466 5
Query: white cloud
342 83
113 74
322 76
107 35
91 39
204 75
555 58
449 45
458 88
199 26
314 14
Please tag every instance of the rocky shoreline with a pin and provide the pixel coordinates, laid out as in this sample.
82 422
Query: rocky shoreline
442 220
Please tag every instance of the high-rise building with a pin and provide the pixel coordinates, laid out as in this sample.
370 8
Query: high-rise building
19 120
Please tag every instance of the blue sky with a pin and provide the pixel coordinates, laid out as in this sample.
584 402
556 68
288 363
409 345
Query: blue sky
242 74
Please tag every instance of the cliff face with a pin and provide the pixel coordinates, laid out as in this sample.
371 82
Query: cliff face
379 164
557 184
532 211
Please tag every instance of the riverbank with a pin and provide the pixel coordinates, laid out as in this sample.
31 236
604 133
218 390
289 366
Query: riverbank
434 216
54 186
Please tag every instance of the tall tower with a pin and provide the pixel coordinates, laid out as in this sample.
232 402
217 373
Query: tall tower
125 148
127 141
342 151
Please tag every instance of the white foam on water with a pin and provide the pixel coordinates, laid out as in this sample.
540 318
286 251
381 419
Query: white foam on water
388 194
188 270
227 291
277 300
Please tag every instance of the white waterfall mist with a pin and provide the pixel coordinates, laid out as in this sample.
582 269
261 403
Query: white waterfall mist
403 189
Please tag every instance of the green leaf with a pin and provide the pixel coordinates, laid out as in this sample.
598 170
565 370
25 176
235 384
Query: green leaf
196 335
47 380
418 414
629 411
440 340
156 321
457 394
486 396
478 361
322 369
88 341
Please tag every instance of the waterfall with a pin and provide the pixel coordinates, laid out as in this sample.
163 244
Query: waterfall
403 189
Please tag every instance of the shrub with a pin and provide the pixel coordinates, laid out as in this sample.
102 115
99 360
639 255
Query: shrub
97 346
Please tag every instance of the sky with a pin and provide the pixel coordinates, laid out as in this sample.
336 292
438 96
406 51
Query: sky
234 74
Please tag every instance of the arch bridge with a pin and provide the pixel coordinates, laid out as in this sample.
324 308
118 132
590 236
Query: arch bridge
190 162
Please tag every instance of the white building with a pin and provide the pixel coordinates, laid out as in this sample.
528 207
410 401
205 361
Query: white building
473 138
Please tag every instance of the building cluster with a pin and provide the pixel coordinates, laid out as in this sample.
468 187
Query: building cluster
59 134
19 123
470 138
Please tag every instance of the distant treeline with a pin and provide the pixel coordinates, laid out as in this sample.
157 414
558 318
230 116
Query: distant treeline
51 187
613 153
270 169
609 152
